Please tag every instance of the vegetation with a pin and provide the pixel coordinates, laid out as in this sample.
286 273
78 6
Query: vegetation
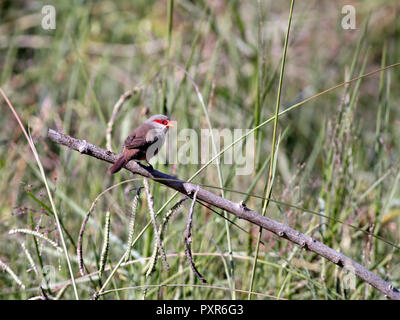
207 64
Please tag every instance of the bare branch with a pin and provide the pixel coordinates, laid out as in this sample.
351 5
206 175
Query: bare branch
237 209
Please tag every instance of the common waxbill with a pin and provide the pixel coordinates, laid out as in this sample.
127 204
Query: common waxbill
144 142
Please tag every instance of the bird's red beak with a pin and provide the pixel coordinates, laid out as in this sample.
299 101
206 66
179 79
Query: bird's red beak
170 124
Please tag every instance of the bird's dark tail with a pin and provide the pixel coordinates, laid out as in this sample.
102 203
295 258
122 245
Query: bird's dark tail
117 165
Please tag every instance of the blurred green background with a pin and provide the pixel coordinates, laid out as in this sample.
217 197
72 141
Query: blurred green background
338 154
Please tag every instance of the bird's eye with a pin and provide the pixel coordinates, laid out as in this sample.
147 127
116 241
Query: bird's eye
164 122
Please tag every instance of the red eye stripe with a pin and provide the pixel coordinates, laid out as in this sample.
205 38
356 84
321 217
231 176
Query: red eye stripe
164 122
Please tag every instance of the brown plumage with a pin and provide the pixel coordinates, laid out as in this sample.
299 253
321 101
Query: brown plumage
144 142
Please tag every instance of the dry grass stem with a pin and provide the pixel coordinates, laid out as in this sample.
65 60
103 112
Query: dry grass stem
188 240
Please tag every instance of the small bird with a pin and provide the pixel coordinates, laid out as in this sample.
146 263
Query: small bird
144 142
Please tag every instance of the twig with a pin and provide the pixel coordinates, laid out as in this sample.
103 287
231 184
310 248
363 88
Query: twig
132 220
188 240
237 209
106 244
170 213
43 294
32 264
7 269
153 220
36 234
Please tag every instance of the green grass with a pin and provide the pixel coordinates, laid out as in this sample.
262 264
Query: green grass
338 153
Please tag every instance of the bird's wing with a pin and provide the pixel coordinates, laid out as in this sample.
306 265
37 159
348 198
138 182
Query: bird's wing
138 142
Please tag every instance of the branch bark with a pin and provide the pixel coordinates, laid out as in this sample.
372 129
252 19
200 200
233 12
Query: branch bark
238 209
